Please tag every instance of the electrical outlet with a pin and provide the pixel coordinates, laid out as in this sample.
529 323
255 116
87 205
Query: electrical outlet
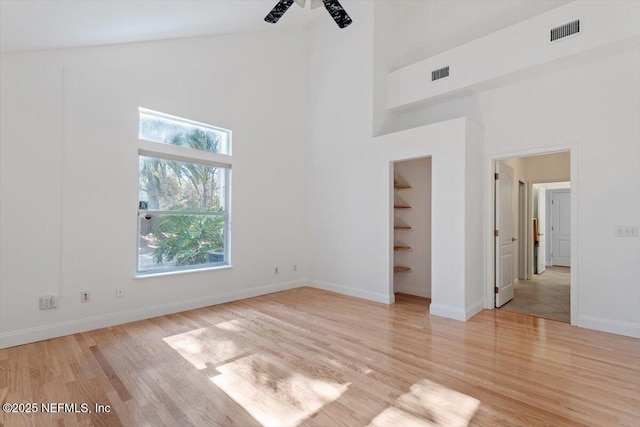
85 296
276 272
48 301
45 303
119 292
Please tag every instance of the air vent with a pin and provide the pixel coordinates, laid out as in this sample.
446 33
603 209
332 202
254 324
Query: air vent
440 73
565 30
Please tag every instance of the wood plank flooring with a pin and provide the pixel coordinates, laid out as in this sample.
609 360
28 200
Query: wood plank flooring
310 357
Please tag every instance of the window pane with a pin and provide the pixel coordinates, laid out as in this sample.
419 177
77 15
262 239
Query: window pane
158 127
168 242
172 185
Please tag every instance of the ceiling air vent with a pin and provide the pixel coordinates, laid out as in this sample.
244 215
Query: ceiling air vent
440 73
565 30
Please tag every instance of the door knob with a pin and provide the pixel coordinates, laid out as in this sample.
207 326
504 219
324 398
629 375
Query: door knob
513 239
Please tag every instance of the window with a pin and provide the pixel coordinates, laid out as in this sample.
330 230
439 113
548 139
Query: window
183 206
166 129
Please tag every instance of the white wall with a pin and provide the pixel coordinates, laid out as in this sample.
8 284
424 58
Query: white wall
594 106
69 174
408 31
416 173
349 200
343 244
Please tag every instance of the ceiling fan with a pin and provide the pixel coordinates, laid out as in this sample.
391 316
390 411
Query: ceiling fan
334 8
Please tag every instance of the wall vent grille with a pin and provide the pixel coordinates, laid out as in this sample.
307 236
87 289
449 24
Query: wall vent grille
440 73
565 30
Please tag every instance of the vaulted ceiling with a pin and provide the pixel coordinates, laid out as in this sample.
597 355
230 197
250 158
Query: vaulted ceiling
38 24
46 24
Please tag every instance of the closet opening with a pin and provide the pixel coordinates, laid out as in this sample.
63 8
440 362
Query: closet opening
412 230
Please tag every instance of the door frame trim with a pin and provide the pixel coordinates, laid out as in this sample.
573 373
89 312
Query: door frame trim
490 160
523 230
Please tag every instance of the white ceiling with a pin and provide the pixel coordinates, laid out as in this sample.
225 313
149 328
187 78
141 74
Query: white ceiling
46 24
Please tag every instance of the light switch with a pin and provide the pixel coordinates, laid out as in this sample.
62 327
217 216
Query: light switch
626 230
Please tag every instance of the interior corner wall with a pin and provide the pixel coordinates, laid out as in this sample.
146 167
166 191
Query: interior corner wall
347 251
348 200
69 172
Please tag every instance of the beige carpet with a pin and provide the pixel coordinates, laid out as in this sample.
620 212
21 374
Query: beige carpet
546 295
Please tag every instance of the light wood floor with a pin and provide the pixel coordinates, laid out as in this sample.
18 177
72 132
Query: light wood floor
310 357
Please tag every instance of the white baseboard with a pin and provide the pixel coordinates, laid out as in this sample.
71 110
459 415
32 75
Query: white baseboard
25 336
447 311
474 309
456 313
608 325
359 293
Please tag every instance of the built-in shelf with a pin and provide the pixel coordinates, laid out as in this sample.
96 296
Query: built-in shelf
397 185
401 186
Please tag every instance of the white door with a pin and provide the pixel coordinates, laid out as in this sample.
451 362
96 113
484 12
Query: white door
505 239
542 198
561 228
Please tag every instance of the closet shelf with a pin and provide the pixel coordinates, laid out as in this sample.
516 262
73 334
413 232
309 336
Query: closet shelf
402 207
401 186
402 248
401 227
400 269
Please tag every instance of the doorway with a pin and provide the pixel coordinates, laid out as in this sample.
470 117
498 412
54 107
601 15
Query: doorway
412 227
532 241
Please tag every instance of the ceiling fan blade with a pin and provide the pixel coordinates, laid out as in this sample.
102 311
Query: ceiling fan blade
278 10
338 13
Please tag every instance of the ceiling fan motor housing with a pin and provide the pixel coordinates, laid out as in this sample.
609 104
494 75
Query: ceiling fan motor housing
334 8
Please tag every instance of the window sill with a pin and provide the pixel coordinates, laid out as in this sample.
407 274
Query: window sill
171 273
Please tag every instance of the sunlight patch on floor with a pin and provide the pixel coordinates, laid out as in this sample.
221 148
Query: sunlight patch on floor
273 393
204 346
429 404
231 325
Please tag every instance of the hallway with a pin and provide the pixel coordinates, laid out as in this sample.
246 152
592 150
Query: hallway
546 295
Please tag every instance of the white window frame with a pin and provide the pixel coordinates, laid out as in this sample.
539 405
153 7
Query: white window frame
166 151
